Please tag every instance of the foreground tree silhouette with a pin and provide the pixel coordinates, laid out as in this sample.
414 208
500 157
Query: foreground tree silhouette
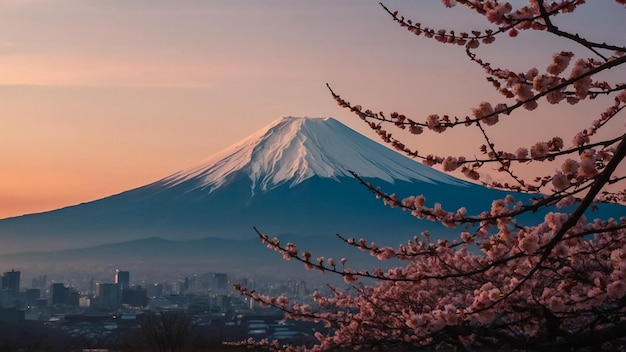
165 331
558 284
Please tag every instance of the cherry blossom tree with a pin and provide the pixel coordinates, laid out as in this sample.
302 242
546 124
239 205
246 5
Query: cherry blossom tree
557 284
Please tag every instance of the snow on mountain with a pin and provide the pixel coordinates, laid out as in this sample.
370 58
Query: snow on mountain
293 149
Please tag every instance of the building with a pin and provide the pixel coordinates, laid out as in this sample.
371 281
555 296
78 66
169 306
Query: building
10 289
122 278
11 283
63 296
135 296
31 296
300 289
107 296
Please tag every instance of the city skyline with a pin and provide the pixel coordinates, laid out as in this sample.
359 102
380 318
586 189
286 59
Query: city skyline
99 98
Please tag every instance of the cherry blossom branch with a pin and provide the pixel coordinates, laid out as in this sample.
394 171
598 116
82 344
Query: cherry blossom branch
550 27
571 221
597 186
504 164
557 284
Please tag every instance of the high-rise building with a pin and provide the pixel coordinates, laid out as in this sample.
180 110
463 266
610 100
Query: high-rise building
11 284
122 278
63 296
59 294
107 296
300 288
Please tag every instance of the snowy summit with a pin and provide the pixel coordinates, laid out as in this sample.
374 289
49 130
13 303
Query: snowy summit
293 149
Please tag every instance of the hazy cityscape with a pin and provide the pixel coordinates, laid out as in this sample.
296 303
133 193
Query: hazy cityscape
93 313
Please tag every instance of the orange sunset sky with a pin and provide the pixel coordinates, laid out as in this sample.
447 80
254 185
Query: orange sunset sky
98 97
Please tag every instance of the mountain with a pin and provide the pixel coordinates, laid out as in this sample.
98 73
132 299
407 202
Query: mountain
290 178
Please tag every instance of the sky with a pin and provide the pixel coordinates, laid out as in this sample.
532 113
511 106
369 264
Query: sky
99 97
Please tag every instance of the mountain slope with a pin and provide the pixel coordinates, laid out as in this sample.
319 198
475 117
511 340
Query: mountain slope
289 178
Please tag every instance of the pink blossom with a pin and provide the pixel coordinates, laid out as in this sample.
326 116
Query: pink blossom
529 243
467 237
560 181
416 320
496 13
616 289
566 201
582 84
532 73
282 301
530 105
560 62
386 253
415 129
555 304
470 173
521 153
306 309
494 294
542 83
522 91
569 167
485 112
587 165
433 122
555 96
539 151
450 164
580 139
437 322
449 3
473 44
349 276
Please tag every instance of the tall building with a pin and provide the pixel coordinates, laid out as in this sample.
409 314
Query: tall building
122 278
300 288
58 294
62 296
107 296
11 284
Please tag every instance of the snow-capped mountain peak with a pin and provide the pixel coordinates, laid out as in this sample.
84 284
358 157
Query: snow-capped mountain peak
293 149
